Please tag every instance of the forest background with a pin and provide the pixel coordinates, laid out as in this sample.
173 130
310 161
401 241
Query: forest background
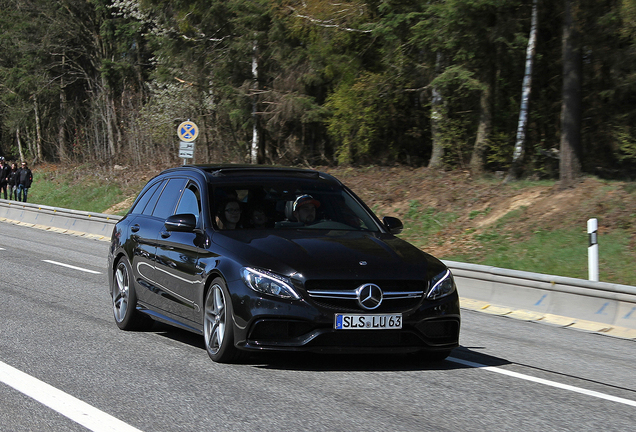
422 107
317 82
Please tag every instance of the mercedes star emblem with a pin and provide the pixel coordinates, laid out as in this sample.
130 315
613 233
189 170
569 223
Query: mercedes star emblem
369 296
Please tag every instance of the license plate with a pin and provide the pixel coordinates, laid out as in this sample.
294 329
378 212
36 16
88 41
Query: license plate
367 322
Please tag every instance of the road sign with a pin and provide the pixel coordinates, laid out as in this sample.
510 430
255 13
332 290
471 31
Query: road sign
186 145
188 131
186 154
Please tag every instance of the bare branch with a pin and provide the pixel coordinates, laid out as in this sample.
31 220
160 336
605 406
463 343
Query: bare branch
326 23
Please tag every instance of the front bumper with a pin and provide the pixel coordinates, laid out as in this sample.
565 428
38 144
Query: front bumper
272 325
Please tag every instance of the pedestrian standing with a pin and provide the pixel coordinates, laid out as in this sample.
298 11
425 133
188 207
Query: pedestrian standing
5 169
25 178
13 182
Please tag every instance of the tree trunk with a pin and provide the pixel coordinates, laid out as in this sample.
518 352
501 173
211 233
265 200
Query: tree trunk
38 132
19 142
31 146
517 156
61 120
478 158
437 155
109 110
255 148
570 164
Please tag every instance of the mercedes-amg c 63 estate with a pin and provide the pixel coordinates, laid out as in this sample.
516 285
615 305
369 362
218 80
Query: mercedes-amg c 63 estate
266 258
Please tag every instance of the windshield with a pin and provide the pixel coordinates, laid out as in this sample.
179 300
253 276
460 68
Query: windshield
288 204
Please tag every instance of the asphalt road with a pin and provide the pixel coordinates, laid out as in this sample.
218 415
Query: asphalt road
65 364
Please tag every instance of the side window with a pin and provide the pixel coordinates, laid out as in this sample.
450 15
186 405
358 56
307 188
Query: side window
143 201
168 200
152 202
190 202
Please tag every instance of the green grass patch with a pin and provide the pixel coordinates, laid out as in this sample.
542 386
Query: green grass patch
475 213
424 225
561 252
525 183
92 195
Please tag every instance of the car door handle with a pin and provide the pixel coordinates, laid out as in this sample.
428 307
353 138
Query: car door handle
135 228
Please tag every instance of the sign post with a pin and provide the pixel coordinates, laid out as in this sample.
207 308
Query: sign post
188 132
592 250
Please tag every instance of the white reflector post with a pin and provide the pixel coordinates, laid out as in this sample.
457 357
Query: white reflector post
592 250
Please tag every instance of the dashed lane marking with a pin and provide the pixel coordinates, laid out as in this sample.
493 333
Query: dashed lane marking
69 406
544 381
72 267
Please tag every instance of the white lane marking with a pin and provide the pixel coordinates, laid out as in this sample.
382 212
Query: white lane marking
65 404
72 267
544 381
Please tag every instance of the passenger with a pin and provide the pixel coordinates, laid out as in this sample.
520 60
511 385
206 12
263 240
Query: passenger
258 218
229 215
304 209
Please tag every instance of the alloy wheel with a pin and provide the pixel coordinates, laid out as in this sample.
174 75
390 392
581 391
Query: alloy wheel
121 295
215 319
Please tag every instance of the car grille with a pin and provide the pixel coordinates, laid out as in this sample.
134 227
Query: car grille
341 295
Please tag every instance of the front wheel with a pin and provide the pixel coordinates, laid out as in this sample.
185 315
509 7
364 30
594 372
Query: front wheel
125 300
217 323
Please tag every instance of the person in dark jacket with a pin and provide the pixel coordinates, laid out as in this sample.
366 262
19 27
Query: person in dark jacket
25 178
5 169
13 182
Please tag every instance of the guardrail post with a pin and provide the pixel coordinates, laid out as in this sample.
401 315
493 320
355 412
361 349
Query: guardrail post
592 250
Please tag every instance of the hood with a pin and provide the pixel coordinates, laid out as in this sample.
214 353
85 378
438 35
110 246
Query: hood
332 254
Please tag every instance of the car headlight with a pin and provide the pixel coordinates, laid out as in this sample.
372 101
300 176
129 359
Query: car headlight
264 282
441 285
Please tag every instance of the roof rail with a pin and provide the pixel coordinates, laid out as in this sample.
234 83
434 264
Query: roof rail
230 170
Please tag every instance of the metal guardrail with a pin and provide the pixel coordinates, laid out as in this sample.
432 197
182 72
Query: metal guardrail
97 225
598 302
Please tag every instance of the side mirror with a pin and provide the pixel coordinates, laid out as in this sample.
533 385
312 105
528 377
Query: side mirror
394 225
181 222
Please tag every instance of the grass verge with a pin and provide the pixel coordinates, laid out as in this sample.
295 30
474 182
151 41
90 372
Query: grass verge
89 193
562 252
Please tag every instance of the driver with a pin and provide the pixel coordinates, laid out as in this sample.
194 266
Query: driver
304 209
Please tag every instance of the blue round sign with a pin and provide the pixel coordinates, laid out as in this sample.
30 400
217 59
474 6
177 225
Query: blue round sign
188 131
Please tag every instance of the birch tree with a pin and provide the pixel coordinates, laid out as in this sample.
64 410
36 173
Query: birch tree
526 87
437 102
254 151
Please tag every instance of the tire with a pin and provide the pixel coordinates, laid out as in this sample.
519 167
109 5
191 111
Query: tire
217 323
125 312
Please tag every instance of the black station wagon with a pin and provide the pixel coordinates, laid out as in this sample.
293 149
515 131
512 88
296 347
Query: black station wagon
266 258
